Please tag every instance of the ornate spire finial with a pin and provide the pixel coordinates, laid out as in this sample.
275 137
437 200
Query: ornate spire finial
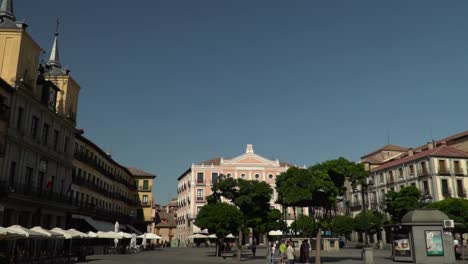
54 59
6 11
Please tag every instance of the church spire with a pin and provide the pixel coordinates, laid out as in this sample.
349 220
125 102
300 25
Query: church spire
54 66
54 59
6 12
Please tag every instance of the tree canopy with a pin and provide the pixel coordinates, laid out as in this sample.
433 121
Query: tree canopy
399 203
343 225
375 221
304 225
219 218
456 209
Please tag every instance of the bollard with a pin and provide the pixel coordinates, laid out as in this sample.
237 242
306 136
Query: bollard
368 255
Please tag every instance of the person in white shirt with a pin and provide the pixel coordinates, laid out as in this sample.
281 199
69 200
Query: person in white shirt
290 253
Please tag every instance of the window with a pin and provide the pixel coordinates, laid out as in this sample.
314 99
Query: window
400 172
242 176
214 178
457 168
411 169
445 188
11 179
56 139
270 176
381 178
45 134
145 199
460 189
425 188
34 126
257 176
442 167
65 144
200 178
19 119
28 175
145 185
229 175
423 169
413 184
200 196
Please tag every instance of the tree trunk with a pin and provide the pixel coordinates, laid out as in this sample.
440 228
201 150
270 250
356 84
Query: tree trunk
239 246
318 243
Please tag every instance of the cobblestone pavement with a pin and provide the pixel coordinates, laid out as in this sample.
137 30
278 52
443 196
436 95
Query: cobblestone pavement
206 255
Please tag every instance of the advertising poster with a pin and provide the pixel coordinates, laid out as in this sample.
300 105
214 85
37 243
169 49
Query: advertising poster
434 241
402 247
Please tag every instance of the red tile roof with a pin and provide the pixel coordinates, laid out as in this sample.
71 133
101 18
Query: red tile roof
440 151
386 148
138 172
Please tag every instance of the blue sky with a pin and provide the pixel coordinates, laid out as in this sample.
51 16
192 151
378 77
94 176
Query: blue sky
168 83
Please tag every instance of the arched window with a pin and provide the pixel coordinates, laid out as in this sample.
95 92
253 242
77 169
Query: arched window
242 176
257 176
270 176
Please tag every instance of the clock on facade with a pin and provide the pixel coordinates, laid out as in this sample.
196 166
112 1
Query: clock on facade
52 98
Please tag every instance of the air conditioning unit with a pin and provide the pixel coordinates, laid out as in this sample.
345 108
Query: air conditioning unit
449 224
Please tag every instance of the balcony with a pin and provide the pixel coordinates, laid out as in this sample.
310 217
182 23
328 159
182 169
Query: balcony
33 193
423 173
145 188
446 192
355 206
462 193
103 214
444 172
459 172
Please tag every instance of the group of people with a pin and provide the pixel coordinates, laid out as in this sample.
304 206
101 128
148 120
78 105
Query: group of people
288 253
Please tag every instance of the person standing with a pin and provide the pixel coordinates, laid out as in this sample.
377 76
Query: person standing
290 253
301 253
282 249
306 251
253 247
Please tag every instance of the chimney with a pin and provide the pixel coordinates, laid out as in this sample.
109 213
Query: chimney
410 152
430 145
249 149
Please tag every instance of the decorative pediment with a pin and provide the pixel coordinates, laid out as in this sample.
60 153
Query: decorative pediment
252 160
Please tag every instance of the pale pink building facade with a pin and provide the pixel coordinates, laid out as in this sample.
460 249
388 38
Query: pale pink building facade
195 184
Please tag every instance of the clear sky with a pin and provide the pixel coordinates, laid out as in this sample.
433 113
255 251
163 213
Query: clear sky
168 83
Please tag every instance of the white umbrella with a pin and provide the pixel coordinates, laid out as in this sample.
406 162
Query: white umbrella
125 235
230 236
212 236
77 233
110 235
116 230
65 233
275 233
92 234
143 243
133 241
6 234
198 236
48 233
28 233
150 236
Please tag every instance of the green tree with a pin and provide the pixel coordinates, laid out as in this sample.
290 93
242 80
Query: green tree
251 197
343 225
220 219
456 209
304 225
399 203
375 221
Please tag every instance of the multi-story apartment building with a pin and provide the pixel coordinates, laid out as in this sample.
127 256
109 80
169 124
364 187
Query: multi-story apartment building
36 165
146 211
103 190
194 185
165 222
5 93
439 169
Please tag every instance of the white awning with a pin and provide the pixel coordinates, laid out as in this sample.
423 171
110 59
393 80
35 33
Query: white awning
96 224
197 230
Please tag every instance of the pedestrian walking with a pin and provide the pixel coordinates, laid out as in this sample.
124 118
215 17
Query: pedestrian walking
306 251
253 247
282 249
290 253
301 253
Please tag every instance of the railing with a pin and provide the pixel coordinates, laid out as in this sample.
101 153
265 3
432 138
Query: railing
91 162
446 192
390 180
423 173
444 172
459 172
143 189
103 214
355 206
462 193
34 193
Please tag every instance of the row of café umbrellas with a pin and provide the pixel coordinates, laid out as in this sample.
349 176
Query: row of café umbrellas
208 236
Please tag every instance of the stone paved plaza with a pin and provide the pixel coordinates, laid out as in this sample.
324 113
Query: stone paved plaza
206 255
